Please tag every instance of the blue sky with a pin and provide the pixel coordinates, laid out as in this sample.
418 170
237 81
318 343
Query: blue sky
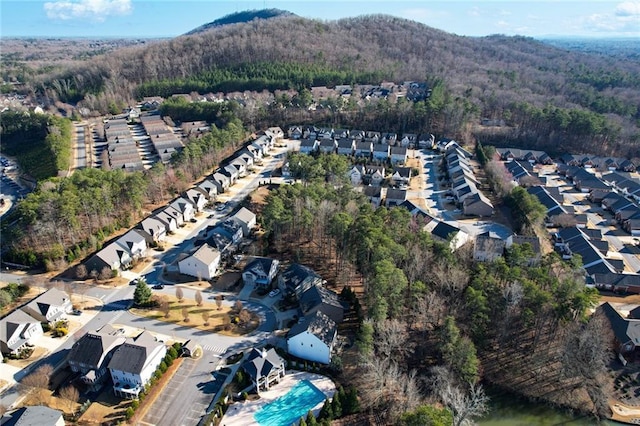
167 18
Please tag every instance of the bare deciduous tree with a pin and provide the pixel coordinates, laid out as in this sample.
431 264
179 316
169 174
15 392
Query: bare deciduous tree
237 306
81 272
38 381
164 307
198 298
465 406
71 395
392 339
205 318
244 316
179 294
105 274
219 301
185 314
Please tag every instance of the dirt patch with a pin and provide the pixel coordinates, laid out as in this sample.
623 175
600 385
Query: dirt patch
106 409
617 298
222 321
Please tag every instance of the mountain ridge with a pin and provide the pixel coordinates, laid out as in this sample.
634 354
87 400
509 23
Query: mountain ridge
240 18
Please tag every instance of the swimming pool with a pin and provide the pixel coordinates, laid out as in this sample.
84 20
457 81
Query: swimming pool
288 409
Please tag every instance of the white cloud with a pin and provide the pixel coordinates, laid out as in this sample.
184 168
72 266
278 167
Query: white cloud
474 11
95 10
628 8
623 20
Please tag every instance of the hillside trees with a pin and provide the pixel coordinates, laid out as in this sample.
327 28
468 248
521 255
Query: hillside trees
40 142
67 218
427 306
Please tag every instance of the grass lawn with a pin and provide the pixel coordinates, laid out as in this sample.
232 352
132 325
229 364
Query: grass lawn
219 320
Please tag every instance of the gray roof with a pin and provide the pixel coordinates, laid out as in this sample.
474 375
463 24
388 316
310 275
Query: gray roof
206 254
260 265
320 298
318 324
245 215
36 415
131 356
260 363
93 348
297 275
444 230
51 297
14 323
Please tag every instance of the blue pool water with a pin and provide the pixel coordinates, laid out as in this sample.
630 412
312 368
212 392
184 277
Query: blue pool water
288 409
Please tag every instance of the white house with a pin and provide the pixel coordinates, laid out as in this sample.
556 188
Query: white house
356 173
133 364
33 415
90 355
197 198
134 243
184 208
203 263
153 229
246 219
17 330
112 256
260 271
312 338
265 367
169 218
50 306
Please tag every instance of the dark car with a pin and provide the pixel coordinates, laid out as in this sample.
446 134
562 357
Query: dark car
158 287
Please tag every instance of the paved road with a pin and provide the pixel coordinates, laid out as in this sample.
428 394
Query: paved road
80 160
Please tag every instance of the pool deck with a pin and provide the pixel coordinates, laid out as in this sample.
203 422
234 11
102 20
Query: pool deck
241 413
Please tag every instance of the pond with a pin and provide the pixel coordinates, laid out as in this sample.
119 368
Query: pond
510 410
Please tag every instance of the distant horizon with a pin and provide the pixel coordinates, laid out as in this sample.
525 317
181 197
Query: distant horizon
158 19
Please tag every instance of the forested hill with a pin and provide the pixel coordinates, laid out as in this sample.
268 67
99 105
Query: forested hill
549 97
241 17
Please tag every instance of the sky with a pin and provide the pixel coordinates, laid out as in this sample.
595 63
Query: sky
169 18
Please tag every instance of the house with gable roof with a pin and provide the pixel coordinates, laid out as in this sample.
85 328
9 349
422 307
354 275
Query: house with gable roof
260 271
399 155
346 146
134 243
153 230
401 175
184 207
50 306
221 181
170 218
133 364
297 278
197 199
17 330
246 219
202 263
626 333
381 151
320 298
312 338
39 415
356 174
265 367
112 256
90 355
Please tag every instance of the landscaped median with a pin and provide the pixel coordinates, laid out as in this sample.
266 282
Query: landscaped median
216 317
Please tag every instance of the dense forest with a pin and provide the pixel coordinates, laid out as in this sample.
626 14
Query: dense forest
495 77
40 142
437 323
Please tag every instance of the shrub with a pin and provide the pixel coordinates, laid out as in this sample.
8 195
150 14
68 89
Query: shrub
60 332
129 413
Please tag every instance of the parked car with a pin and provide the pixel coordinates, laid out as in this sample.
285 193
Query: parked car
274 293
76 312
133 281
158 287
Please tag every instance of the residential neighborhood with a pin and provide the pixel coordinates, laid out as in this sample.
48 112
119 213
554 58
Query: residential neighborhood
590 212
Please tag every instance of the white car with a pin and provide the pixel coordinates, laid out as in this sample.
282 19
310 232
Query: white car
274 293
